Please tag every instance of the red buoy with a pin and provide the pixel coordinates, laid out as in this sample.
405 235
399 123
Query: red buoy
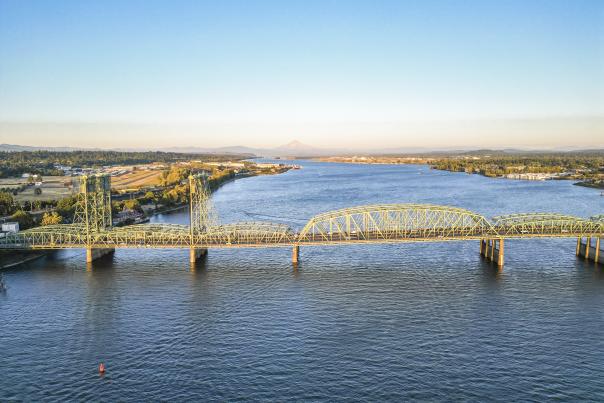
102 368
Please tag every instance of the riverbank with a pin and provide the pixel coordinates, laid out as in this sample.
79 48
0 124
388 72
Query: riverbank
591 184
432 163
13 258
585 168
377 160
181 206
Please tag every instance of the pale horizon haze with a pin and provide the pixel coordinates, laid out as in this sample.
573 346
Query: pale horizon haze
333 74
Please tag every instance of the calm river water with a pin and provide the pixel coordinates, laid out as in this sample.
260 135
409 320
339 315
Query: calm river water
383 322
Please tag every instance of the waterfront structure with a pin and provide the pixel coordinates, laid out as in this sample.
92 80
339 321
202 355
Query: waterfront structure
537 176
387 223
12 227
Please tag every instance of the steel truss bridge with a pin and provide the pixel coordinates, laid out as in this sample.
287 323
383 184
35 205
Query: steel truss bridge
386 223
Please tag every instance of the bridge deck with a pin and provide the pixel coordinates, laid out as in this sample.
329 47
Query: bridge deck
390 223
57 239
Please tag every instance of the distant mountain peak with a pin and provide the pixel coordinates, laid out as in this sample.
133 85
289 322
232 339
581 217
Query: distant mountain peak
296 146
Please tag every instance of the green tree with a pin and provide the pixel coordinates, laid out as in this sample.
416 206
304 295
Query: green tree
163 179
51 218
66 207
24 219
176 175
134 205
7 204
149 197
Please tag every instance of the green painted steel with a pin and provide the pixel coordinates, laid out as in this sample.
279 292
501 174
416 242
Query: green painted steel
362 224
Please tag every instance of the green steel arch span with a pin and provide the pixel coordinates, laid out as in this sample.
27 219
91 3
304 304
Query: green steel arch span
396 222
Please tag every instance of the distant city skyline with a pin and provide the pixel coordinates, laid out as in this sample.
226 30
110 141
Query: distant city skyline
357 75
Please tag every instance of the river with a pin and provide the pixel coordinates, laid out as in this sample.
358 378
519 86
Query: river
367 322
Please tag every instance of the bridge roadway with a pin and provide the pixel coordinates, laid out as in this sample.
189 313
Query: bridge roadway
391 223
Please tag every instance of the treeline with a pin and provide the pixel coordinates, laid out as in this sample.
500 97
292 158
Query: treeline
175 192
580 165
42 162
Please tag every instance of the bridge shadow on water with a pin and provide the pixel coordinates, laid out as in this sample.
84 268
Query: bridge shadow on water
199 269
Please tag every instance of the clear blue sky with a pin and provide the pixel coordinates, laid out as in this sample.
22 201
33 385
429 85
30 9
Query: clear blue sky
395 73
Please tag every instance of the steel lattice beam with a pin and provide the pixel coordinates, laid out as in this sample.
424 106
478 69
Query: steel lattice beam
384 223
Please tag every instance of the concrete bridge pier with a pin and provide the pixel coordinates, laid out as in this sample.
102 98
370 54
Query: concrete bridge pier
486 248
97 253
483 247
295 254
493 250
196 253
498 256
590 250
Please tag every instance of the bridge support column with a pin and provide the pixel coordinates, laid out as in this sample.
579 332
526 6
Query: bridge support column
96 253
493 250
499 258
589 252
295 254
486 248
578 252
196 253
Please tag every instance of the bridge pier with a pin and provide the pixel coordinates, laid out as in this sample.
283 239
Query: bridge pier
295 254
97 253
486 248
196 253
589 252
493 250
498 258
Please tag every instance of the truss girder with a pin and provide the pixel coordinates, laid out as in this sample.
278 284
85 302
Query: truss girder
378 223
396 221
261 233
546 224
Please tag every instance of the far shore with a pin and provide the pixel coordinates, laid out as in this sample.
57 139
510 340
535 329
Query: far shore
385 160
377 160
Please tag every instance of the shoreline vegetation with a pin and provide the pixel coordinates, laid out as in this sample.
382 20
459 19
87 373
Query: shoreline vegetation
156 182
586 168
10 259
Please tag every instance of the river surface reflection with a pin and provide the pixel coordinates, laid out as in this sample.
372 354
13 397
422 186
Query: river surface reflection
378 322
